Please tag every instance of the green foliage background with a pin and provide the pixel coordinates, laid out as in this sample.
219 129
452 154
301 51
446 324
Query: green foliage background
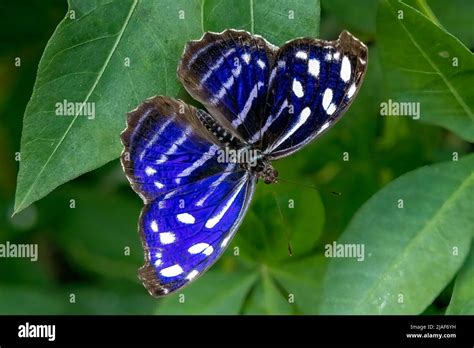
418 258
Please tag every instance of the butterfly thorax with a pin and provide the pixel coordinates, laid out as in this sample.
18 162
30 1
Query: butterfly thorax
261 166
268 174
249 158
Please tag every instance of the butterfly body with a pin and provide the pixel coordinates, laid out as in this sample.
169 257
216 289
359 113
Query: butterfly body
197 170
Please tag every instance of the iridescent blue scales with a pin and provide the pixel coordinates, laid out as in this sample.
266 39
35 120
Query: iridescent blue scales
258 98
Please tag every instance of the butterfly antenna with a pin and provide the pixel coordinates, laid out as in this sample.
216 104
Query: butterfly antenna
335 193
287 234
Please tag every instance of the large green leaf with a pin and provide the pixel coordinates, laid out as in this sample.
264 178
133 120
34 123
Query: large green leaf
217 292
281 216
100 233
287 20
267 298
302 280
359 17
455 17
86 60
424 63
411 253
17 300
462 300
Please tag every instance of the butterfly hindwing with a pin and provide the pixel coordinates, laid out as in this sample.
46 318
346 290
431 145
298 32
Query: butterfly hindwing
193 202
228 73
311 85
185 234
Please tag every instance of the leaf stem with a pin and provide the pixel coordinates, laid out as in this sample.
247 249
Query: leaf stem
202 15
426 10
252 20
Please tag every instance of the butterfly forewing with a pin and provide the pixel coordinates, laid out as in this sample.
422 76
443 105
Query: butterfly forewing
228 73
194 203
311 85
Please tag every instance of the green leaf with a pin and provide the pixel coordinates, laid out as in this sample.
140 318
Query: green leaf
278 24
360 17
100 234
462 300
95 301
424 63
17 300
411 253
455 16
216 292
86 60
302 281
267 298
281 214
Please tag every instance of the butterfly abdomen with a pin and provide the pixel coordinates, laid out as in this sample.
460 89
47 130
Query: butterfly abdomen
224 136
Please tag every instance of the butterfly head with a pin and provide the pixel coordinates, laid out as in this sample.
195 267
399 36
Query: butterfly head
266 172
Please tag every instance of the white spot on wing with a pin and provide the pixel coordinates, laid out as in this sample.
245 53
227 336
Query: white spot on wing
246 57
208 251
351 90
313 67
332 107
327 98
198 248
162 159
159 185
297 88
150 171
345 69
301 55
225 241
154 226
261 64
186 218
171 271
192 274
324 126
167 237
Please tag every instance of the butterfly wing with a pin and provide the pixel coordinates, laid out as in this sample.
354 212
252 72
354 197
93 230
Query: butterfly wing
228 73
311 85
193 202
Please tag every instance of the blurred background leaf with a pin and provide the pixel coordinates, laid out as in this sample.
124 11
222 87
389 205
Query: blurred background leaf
416 233
437 76
462 301
86 61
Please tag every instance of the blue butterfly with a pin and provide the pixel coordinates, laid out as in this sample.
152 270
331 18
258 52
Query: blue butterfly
261 100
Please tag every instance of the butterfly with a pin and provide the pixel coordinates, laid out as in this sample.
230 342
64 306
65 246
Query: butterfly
263 103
